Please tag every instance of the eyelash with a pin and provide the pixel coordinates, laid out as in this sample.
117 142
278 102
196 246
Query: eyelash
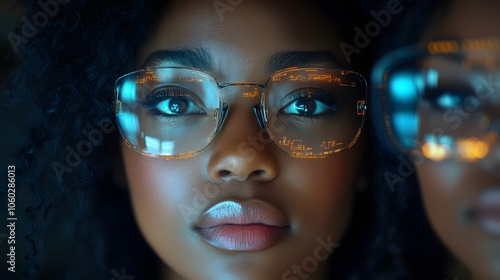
159 94
155 97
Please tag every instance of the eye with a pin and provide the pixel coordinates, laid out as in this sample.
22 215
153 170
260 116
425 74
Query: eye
310 102
178 105
448 100
306 107
172 101
444 99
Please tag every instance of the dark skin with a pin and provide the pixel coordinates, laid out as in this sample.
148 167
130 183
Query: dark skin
315 195
450 188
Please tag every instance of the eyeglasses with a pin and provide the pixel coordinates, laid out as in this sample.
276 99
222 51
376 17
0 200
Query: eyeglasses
442 101
173 113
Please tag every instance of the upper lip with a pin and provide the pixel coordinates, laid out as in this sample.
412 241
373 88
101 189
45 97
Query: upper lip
230 212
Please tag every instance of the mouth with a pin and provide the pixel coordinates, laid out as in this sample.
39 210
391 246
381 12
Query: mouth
252 225
487 211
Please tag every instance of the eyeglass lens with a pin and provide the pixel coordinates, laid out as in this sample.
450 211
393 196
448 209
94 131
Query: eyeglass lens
308 112
445 106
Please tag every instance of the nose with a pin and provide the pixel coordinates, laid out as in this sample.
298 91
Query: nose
242 150
232 163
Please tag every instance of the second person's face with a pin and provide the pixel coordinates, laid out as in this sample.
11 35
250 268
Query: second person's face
462 199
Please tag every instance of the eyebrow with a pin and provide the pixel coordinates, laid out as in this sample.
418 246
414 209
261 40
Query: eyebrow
197 58
289 59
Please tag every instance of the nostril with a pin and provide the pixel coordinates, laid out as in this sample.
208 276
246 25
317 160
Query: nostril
224 173
258 173
255 174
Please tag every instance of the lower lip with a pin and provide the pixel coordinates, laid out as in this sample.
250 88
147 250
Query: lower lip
252 237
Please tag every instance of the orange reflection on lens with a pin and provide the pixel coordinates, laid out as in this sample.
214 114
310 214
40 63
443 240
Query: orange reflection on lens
435 151
472 149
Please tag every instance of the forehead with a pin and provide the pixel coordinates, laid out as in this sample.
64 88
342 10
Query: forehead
249 32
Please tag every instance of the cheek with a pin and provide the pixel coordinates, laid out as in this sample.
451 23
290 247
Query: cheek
155 184
435 191
448 190
159 190
442 197
322 192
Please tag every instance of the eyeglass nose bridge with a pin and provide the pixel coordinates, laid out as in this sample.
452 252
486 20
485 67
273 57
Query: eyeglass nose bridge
221 115
258 110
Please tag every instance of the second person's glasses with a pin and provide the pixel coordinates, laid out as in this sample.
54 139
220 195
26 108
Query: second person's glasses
444 100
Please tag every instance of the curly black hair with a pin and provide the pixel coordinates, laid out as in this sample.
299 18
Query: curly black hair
402 244
62 90
405 246
63 83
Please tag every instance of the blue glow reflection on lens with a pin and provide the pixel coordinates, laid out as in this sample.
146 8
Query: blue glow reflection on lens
432 78
402 88
155 146
167 148
448 100
440 139
405 126
152 144
446 140
129 124
127 91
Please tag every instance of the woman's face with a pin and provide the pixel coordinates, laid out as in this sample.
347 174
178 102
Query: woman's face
261 217
462 199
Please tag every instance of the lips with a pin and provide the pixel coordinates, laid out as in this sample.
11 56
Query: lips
252 225
487 211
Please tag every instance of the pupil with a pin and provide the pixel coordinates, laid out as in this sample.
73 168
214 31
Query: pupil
178 105
305 107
